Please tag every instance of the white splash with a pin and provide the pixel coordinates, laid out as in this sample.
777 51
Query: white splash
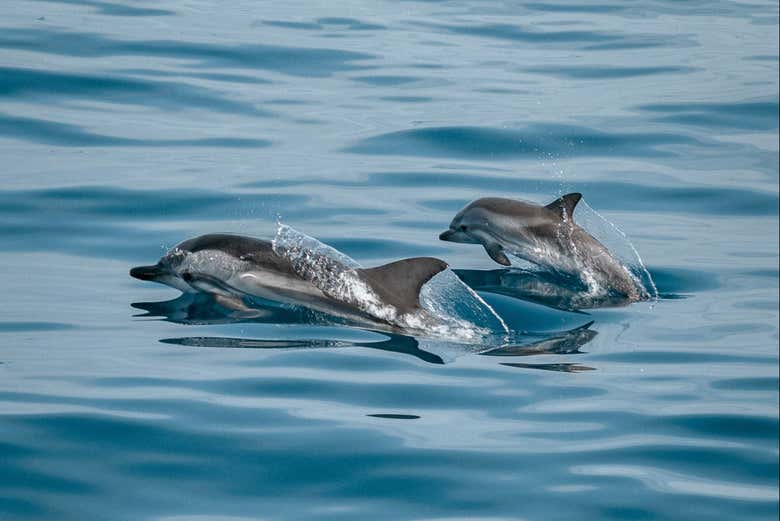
450 309
611 236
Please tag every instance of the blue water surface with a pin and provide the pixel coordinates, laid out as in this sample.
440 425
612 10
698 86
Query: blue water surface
128 126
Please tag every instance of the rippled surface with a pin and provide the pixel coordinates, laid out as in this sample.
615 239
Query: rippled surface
126 127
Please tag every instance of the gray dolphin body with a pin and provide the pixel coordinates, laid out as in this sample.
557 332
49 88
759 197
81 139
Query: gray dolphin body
232 267
543 235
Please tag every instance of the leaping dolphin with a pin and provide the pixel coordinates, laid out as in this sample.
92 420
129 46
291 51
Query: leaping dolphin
546 236
232 267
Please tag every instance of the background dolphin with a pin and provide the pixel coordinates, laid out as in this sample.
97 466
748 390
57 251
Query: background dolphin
232 267
546 236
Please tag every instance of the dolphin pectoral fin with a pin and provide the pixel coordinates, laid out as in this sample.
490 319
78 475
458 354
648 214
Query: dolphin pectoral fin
399 283
564 205
207 283
496 252
237 304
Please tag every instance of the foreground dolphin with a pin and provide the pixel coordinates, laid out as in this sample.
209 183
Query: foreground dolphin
546 236
232 267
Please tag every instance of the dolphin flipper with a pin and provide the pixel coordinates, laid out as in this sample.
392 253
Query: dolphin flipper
564 205
496 252
399 283
209 284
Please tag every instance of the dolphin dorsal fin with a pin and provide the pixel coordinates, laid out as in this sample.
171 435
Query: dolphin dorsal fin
399 282
564 205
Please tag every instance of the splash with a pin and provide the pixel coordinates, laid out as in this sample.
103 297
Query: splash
611 236
450 309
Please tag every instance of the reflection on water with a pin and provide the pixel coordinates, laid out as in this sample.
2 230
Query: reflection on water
204 309
543 287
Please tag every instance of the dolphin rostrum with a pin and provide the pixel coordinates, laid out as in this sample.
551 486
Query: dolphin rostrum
546 236
232 267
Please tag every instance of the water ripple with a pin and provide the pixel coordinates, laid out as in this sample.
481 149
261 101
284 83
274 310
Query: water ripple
536 141
44 131
296 61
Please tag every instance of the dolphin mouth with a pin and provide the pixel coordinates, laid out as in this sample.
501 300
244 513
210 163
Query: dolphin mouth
147 272
447 235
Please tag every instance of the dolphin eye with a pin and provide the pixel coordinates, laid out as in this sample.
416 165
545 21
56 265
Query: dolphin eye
463 227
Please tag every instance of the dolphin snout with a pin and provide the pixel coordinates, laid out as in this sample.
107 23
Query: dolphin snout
147 272
446 235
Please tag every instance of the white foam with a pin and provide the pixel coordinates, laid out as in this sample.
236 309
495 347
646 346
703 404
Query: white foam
450 309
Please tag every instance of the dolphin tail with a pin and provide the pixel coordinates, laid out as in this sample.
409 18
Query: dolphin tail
399 283
564 205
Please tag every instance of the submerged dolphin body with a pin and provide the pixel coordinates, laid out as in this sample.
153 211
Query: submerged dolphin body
546 236
232 267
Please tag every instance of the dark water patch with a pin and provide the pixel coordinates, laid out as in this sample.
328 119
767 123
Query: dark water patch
381 248
378 395
23 508
95 220
747 384
386 81
39 85
113 9
676 357
406 99
352 24
497 90
328 23
390 416
213 76
533 142
80 205
597 72
68 135
102 227
600 194
591 40
736 426
763 57
574 8
519 33
752 116
128 204
287 102
295 61
644 43
612 195
284 24
680 280
24 327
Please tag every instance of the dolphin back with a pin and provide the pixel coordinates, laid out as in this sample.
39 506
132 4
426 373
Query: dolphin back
399 283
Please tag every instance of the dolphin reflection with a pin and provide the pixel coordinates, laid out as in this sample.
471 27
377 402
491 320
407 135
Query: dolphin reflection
550 289
205 309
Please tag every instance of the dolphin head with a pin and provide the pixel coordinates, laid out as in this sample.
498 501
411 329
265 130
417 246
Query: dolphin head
496 223
462 227
166 271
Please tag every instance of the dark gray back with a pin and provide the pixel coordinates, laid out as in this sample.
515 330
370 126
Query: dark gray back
248 249
399 282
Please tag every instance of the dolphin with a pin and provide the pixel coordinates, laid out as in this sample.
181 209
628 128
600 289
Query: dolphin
546 236
232 267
